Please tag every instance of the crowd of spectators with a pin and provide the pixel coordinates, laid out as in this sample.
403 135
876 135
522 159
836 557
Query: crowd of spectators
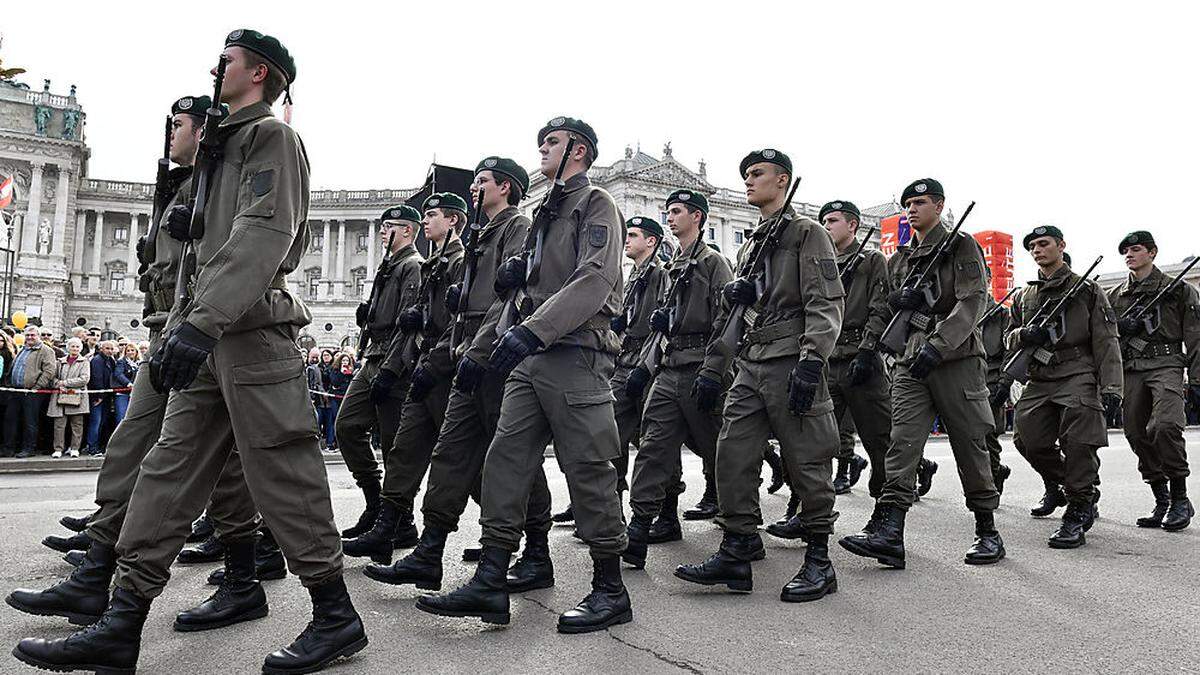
329 373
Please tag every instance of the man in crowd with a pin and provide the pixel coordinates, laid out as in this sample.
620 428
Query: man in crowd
35 367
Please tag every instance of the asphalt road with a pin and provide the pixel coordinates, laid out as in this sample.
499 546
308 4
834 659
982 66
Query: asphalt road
1128 601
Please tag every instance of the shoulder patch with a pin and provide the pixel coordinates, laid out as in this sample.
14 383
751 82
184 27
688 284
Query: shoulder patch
970 269
262 182
828 268
1109 315
598 235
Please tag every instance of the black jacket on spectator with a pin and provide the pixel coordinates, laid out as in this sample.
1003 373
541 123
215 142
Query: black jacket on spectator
102 375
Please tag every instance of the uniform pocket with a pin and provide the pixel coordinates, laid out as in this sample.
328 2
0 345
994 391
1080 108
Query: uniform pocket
256 198
590 397
273 405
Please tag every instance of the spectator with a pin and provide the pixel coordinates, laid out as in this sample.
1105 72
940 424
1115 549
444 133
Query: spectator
126 369
103 363
143 350
33 368
8 351
70 404
81 333
89 345
340 374
316 387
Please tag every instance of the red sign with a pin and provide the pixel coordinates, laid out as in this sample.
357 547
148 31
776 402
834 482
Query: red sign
998 253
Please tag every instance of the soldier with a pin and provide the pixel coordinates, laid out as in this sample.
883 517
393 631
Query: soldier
792 317
230 355
1154 356
683 401
376 393
940 372
474 404
1074 377
994 327
559 352
417 349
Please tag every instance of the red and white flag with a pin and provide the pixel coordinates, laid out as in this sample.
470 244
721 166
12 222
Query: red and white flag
7 187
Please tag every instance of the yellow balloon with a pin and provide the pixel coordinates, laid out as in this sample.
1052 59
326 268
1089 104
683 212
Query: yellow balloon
19 320
19 340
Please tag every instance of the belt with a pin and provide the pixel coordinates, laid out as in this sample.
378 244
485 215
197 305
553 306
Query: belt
632 344
677 343
1155 349
1048 357
775 331
850 336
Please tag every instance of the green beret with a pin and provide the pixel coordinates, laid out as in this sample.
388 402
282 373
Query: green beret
267 47
714 247
842 205
1067 258
192 105
647 225
689 197
507 167
768 155
573 125
1140 237
445 200
401 212
1042 231
920 187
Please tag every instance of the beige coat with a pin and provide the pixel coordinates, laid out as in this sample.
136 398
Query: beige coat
71 376
40 368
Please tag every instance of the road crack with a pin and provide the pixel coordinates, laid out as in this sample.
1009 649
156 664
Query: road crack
665 658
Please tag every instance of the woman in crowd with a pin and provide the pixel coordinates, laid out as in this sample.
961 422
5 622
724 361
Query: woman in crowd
69 404
123 374
316 389
340 373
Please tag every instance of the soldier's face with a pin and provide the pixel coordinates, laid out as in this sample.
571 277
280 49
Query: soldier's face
436 224
486 181
682 222
1138 256
765 183
185 138
636 243
401 228
839 227
240 74
552 148
923 212
1047 251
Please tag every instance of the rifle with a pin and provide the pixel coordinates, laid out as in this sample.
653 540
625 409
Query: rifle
655 355
414 344
895 336
546 212
1017 367
853 262
1140 313
471 258
208 155
162 192
364 333
995 310
754 266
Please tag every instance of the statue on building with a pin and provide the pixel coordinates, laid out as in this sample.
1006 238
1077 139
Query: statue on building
70 124
41 118
667 149
44 236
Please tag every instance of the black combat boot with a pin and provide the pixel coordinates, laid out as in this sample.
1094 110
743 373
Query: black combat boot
1051 500
925 470
370 489
1000 475
730 565
666 526
376 543
885 543
1076 520
607 604
793 506
422 567
75 524
841 477
75 558
208 551
268 561
988 547
706 508
773 460
81 597
335 631
110 645
406 531
1179 514
638 534
202 528
816 577
1162 501
533 569
75 542
240 596
566 516
857 466
484 596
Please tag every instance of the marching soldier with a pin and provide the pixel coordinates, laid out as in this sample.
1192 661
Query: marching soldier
1074 378
994 328
230 355
791 296
556 343
1154 351
940 372
683 401
417 349
473 410
376 393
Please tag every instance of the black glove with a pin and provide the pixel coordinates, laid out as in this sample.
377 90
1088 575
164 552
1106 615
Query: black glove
422 384
618 323
926 360
706 391
660 320
517 343
740 291
1193 394
635 384
179 222
861 369
141 249
1000 391
1033 336
469 375
1112 403
1128 327
382 386
361 314
453 297
906 299
411 320
181 356
802 386
511 274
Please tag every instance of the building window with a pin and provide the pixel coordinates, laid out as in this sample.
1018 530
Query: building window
359 277
121 234
712 234
362 240
664 218
739 236
116 280
318 240
312 285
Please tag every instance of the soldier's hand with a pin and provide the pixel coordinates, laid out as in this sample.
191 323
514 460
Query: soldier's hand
1129 327
179 222
182 355
740 291
802 386
906 299
861 369
511 274
706 391
660 320
925 361
1033 336
411 320
468 376
361 314
1000 391
1112 403
382 386
422 383
453 298
618 323
635 384
516 344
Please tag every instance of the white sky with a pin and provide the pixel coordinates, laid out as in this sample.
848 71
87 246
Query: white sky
1068 113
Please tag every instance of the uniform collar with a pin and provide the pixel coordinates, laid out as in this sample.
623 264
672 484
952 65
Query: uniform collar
1059 278
500 220
576 182
407 251
248 114
930 242
1153 280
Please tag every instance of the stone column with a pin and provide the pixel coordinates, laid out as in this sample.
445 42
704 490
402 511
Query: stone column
33 216
371 232
131 264
340 277
97 247
60 212
77 271
326 244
